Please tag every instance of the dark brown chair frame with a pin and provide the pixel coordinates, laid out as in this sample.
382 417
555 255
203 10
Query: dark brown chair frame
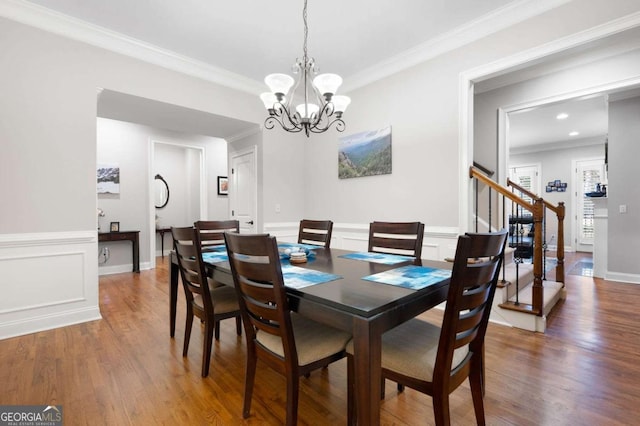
473 285
265 309
405 237
211 232
186 243
320 238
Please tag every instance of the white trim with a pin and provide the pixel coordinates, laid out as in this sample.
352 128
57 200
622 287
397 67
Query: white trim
47 238
483 26
243 134
622 277
76 29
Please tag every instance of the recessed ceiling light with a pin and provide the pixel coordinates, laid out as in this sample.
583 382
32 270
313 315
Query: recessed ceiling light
574 133
562 116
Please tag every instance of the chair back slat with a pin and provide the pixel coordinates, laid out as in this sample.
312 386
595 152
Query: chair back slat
255 265
403 238
189 255
316 232
211 232
473 284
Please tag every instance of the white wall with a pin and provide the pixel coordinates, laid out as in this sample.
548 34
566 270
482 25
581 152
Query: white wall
623 231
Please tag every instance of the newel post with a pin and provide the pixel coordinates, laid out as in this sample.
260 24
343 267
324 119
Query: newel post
560 248
538 290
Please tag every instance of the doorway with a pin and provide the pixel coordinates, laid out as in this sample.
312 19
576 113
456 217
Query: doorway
183 168
589 175
244 189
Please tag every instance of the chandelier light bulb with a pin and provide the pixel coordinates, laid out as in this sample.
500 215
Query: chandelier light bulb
327 84
268 99
309 112
340 103
279 84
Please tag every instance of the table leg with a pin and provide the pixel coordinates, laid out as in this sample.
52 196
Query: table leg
136 253
173 295
367 360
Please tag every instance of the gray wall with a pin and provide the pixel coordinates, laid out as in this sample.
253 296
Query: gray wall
624 150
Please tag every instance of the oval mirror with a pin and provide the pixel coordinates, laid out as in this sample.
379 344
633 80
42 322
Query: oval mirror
161 192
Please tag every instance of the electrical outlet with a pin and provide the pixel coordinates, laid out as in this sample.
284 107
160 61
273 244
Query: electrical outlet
623 208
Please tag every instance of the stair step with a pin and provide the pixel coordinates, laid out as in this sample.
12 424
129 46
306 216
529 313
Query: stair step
520 307
552 292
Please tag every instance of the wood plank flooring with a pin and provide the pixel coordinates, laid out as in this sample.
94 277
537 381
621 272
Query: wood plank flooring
125 370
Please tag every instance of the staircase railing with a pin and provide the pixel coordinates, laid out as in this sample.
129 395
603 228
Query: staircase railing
559 212
537 211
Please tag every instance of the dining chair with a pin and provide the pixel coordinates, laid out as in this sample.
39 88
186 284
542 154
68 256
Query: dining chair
433 359
211 305
212 232
403 238
316 232
285 341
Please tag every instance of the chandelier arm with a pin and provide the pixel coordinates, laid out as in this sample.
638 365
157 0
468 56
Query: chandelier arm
339 124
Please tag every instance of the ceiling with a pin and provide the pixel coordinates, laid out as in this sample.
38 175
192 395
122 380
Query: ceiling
355 38
256 38
540 126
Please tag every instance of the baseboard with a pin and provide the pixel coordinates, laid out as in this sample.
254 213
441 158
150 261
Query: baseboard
48 322
622 277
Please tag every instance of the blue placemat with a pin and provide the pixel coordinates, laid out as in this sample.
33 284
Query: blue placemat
296 277
216 256
411 276
386 259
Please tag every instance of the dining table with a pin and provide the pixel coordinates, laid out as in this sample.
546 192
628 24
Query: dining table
362 307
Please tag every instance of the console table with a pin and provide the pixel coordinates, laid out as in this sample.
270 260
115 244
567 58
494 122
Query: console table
132 236
162 231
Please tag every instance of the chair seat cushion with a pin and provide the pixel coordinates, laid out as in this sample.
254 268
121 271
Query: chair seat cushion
224 298
314 341
411 349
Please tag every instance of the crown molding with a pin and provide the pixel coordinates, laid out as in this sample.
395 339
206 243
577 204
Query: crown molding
66 26
490 23
244 134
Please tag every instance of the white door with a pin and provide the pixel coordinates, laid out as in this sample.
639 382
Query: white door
244 190
589 173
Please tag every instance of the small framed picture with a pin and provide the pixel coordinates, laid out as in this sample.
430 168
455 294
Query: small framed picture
223 185
549 188
115 227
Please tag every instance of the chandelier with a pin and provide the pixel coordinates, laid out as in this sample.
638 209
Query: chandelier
320 108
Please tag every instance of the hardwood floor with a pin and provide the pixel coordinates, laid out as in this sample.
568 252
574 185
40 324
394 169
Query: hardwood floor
124 369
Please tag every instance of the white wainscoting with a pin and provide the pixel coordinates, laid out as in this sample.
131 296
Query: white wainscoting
438 243
47 280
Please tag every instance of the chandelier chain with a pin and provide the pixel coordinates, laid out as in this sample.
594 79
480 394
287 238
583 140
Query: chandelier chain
306 31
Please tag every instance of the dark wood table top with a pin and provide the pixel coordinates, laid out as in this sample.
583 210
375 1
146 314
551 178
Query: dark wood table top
352 294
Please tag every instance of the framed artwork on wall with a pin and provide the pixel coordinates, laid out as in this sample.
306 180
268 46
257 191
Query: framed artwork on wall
115 227
365 154
223 185
108 179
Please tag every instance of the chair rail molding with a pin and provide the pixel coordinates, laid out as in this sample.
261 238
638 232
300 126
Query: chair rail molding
49 280
439 241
